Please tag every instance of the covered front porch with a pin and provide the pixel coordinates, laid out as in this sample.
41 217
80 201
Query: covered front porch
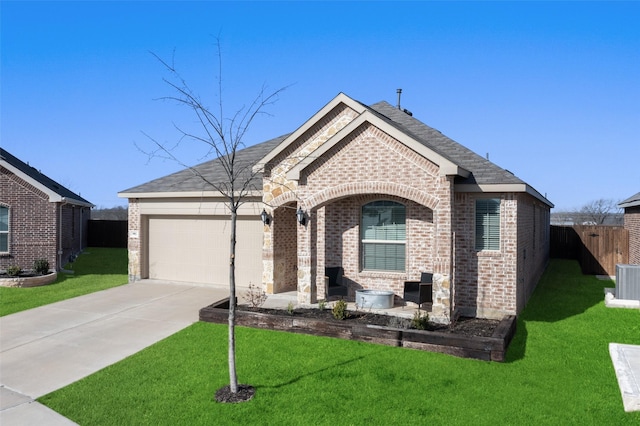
400 308
377 241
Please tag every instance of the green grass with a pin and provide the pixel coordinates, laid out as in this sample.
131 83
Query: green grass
558 372
96 269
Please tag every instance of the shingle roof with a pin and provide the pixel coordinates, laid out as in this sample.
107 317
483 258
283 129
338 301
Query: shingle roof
189 180
482 171
632 201
42 179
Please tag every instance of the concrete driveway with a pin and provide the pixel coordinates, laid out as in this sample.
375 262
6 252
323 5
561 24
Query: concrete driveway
47 348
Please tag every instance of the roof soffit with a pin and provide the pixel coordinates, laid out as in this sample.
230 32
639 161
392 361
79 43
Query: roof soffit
447 167
632 201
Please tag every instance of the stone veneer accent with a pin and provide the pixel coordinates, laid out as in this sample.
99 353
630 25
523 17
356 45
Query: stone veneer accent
134 237
333 189
36 281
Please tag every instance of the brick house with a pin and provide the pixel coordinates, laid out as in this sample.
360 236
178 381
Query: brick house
39 218
631 208
367 188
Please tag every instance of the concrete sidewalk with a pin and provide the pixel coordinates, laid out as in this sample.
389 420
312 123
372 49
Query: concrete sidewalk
626 363
47 348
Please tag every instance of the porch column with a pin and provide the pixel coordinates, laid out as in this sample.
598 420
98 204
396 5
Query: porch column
443 216
267 259
305 287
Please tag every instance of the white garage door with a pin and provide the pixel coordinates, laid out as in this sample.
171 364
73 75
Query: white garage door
196 249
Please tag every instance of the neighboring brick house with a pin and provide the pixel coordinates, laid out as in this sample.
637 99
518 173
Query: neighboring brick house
631 208
39 218
381 194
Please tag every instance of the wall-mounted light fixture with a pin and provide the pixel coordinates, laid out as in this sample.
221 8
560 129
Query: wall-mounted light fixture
302 218
265 217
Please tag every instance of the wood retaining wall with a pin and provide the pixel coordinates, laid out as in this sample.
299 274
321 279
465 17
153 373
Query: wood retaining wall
492 348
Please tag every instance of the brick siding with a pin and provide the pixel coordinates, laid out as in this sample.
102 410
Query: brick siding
632 224
368 165
34 225
493 283
371 165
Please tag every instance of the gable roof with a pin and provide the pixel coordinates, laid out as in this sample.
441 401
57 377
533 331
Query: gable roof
188 182
482 171
632 201
446 166
56 192
473 172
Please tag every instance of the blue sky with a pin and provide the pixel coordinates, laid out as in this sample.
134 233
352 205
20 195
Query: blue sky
551 91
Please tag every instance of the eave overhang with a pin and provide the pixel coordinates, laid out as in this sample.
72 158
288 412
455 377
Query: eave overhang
502 188
184 194
53 196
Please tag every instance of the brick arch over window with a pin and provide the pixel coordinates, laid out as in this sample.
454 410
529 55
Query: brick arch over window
367 188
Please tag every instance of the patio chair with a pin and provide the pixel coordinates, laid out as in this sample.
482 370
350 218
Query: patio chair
419 291
333 280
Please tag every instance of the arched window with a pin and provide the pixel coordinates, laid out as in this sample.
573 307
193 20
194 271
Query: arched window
383 233
4 229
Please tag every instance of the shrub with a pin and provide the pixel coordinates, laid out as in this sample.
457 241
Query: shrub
397 322
322 305
14 270
290 308
41 266
339 310
420 321
254 296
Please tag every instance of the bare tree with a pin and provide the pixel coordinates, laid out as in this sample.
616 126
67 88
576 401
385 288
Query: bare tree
224 136
598 211
109 213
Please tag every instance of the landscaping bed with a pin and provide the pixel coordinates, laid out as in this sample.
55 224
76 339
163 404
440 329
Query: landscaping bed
467 338
27 279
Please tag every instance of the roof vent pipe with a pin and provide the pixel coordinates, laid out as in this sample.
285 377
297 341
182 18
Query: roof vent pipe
399 93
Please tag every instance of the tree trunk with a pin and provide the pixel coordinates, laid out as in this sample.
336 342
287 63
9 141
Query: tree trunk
233 379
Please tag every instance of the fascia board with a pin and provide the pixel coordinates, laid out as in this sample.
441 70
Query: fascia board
185 194
76 202
54 197
497 188
446 167
341 98
632 203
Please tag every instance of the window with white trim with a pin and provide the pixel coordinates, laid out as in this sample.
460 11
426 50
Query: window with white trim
383 233
4 229
488 224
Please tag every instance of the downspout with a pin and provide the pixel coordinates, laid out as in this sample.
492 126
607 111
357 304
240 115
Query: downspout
81 224
60 250
452 279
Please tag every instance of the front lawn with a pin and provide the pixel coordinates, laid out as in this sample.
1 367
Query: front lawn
558 371
94 270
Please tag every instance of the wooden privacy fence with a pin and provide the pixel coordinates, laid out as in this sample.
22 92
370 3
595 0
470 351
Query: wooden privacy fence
597 248
107 233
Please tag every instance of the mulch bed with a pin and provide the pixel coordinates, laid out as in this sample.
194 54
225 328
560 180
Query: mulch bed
245 393
482 339
463 326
